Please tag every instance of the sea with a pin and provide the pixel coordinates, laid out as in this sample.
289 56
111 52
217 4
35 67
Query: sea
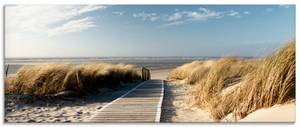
152 63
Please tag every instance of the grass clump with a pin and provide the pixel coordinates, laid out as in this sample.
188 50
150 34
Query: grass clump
212 76
272 82
222 74
184 71
231 85
47 79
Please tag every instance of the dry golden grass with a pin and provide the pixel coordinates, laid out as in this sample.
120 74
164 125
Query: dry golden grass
222 74
272 82
212 76
230 85
184 71
45 79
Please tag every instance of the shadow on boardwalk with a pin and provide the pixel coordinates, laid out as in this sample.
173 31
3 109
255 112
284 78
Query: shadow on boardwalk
168 108
177 106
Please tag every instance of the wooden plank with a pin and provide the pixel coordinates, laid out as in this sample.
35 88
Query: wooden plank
141 104
125 120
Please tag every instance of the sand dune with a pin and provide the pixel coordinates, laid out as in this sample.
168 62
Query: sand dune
177 107
59 109
64 110
277 113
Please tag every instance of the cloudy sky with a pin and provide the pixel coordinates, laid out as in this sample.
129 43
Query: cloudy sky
198 30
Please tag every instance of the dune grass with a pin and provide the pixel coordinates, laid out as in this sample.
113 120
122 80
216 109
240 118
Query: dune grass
47 79
232 85
221 74
184 71
272 82
211 77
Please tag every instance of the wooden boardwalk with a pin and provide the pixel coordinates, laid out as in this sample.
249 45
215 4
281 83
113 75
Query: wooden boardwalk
141 104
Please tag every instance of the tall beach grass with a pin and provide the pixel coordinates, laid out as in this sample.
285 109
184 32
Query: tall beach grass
46 79
231 85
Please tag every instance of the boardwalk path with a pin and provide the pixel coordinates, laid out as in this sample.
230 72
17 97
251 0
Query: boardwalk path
141 104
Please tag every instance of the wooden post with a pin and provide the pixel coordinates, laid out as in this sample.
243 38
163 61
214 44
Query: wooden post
149 75
142 73
145 74
6 72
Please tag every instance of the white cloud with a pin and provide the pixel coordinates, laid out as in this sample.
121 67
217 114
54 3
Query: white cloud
201 14
246 12
183 17
284 6
233 13
146 16
120 13
42 19
72 26
175 16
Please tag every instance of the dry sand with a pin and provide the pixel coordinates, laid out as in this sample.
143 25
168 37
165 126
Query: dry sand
176 102
277 113
160 74
20 109
177 106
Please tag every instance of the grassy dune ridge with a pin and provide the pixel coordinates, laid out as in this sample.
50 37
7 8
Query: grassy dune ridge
232 85
273 82
46 79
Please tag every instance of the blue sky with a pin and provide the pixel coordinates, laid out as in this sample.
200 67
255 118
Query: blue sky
152 30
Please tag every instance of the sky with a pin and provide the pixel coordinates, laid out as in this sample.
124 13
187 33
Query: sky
146 30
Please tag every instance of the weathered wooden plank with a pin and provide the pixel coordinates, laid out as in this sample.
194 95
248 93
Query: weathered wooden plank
122 120
141 104
149 115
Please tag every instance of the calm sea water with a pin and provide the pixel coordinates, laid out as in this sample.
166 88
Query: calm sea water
152 63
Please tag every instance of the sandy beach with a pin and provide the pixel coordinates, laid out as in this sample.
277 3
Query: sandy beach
23 109
277 113
144 63
160 74
176 106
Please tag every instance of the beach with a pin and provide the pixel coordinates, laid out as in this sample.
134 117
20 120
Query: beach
177 103
176 106
20 108
24 109
235 90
